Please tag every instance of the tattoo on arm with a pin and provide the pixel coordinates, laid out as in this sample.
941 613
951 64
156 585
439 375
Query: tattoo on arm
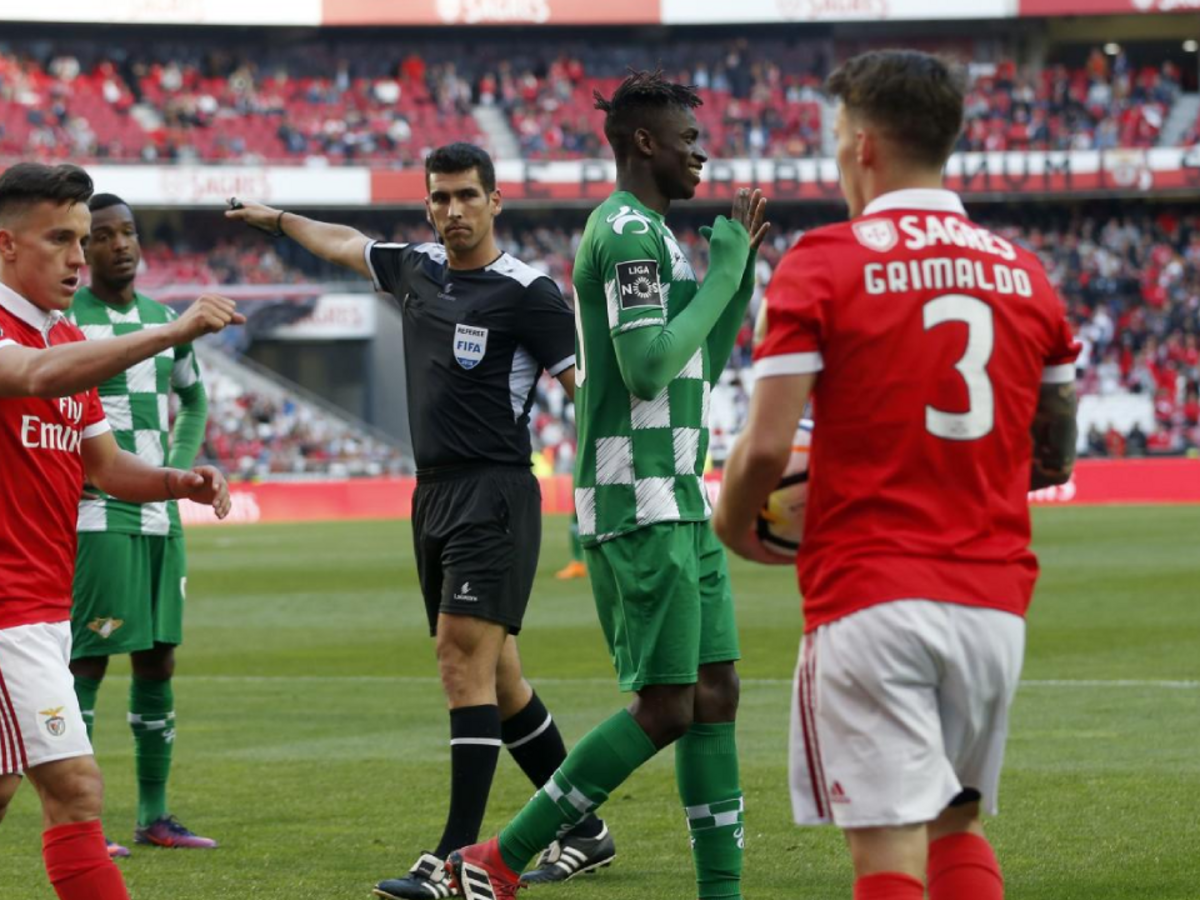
1054 436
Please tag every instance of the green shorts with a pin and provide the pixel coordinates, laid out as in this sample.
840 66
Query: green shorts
129 593
665 604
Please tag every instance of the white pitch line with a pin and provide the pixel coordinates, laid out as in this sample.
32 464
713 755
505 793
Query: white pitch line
770 682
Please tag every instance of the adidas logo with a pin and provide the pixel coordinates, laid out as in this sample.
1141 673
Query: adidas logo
837 794
475 883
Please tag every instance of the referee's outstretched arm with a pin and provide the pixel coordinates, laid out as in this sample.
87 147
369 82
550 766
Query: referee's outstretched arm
340 244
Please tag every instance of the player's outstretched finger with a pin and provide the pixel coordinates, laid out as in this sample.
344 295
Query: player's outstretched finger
738 213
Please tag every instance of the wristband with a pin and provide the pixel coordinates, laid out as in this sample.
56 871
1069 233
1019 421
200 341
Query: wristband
279 224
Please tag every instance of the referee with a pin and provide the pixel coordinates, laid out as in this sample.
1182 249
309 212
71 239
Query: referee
479 327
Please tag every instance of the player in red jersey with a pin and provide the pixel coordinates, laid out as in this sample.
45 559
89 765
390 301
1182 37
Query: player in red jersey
931 349
52 433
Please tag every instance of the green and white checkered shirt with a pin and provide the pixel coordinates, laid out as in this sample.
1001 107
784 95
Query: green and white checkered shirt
137 404
640 461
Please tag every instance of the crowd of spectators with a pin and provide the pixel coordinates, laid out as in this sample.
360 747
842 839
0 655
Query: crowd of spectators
1107 104
190 103
254 435
386 103
760 101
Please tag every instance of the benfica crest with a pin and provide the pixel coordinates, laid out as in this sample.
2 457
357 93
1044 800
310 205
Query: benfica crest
55 723
877 234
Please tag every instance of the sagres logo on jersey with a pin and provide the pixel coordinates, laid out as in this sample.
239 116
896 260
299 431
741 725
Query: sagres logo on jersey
638 285
55 723
627 216
877 234
469 345
105 627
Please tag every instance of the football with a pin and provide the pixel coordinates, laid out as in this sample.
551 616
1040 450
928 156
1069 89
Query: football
781 521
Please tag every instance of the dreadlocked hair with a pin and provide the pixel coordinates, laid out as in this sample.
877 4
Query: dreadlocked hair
636 101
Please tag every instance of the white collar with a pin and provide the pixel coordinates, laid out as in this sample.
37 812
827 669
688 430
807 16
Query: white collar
925 199
28 313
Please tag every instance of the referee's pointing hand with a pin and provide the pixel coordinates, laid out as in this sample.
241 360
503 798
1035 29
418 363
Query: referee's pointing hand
256 215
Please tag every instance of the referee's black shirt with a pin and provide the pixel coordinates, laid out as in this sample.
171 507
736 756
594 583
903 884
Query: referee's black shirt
475 342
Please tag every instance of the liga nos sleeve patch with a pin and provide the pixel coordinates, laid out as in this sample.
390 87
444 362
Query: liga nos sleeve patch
638 284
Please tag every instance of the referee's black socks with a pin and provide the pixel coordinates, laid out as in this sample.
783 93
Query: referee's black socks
474 749
533 739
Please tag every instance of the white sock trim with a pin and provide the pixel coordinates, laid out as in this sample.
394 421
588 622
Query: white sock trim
533 734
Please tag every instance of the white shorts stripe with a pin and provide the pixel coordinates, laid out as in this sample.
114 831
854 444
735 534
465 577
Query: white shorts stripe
12 748
808 711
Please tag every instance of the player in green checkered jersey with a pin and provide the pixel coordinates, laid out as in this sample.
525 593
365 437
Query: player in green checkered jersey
131 570
650 343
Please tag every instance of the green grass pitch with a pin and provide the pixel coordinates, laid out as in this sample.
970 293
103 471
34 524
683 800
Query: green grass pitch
313 741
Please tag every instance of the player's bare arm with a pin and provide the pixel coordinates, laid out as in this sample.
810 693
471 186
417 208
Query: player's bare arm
127 477
71 368
757 463
339 244
567 380
1054 435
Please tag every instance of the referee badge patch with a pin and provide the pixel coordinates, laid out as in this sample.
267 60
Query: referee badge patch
638 284
469 345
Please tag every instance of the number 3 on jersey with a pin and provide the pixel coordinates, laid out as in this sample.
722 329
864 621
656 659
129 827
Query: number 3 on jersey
980 416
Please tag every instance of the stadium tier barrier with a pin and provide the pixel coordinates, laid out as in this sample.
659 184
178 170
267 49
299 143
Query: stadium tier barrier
1115 481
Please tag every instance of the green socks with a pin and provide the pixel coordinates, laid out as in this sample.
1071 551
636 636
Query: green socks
598 764
706 770
152 720
86 691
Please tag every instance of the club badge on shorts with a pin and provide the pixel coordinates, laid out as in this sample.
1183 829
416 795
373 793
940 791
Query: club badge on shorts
469 345
55 723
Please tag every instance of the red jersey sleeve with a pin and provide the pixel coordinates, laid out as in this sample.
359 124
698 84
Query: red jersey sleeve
795 307
94 421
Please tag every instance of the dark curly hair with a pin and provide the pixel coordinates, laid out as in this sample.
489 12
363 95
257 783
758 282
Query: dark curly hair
641 97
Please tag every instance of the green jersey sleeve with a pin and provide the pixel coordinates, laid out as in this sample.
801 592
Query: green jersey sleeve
629 260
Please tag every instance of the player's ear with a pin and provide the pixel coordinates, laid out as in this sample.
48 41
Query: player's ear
497 202
8 244
643 141
429 216
865 147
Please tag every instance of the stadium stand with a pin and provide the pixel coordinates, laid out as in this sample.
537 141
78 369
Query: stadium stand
260 426
1105 105
386 104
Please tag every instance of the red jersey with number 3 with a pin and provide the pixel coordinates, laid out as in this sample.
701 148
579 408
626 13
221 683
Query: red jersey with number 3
41 440
932 337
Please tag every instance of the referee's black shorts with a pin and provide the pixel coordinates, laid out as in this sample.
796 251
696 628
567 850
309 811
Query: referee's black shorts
477 534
